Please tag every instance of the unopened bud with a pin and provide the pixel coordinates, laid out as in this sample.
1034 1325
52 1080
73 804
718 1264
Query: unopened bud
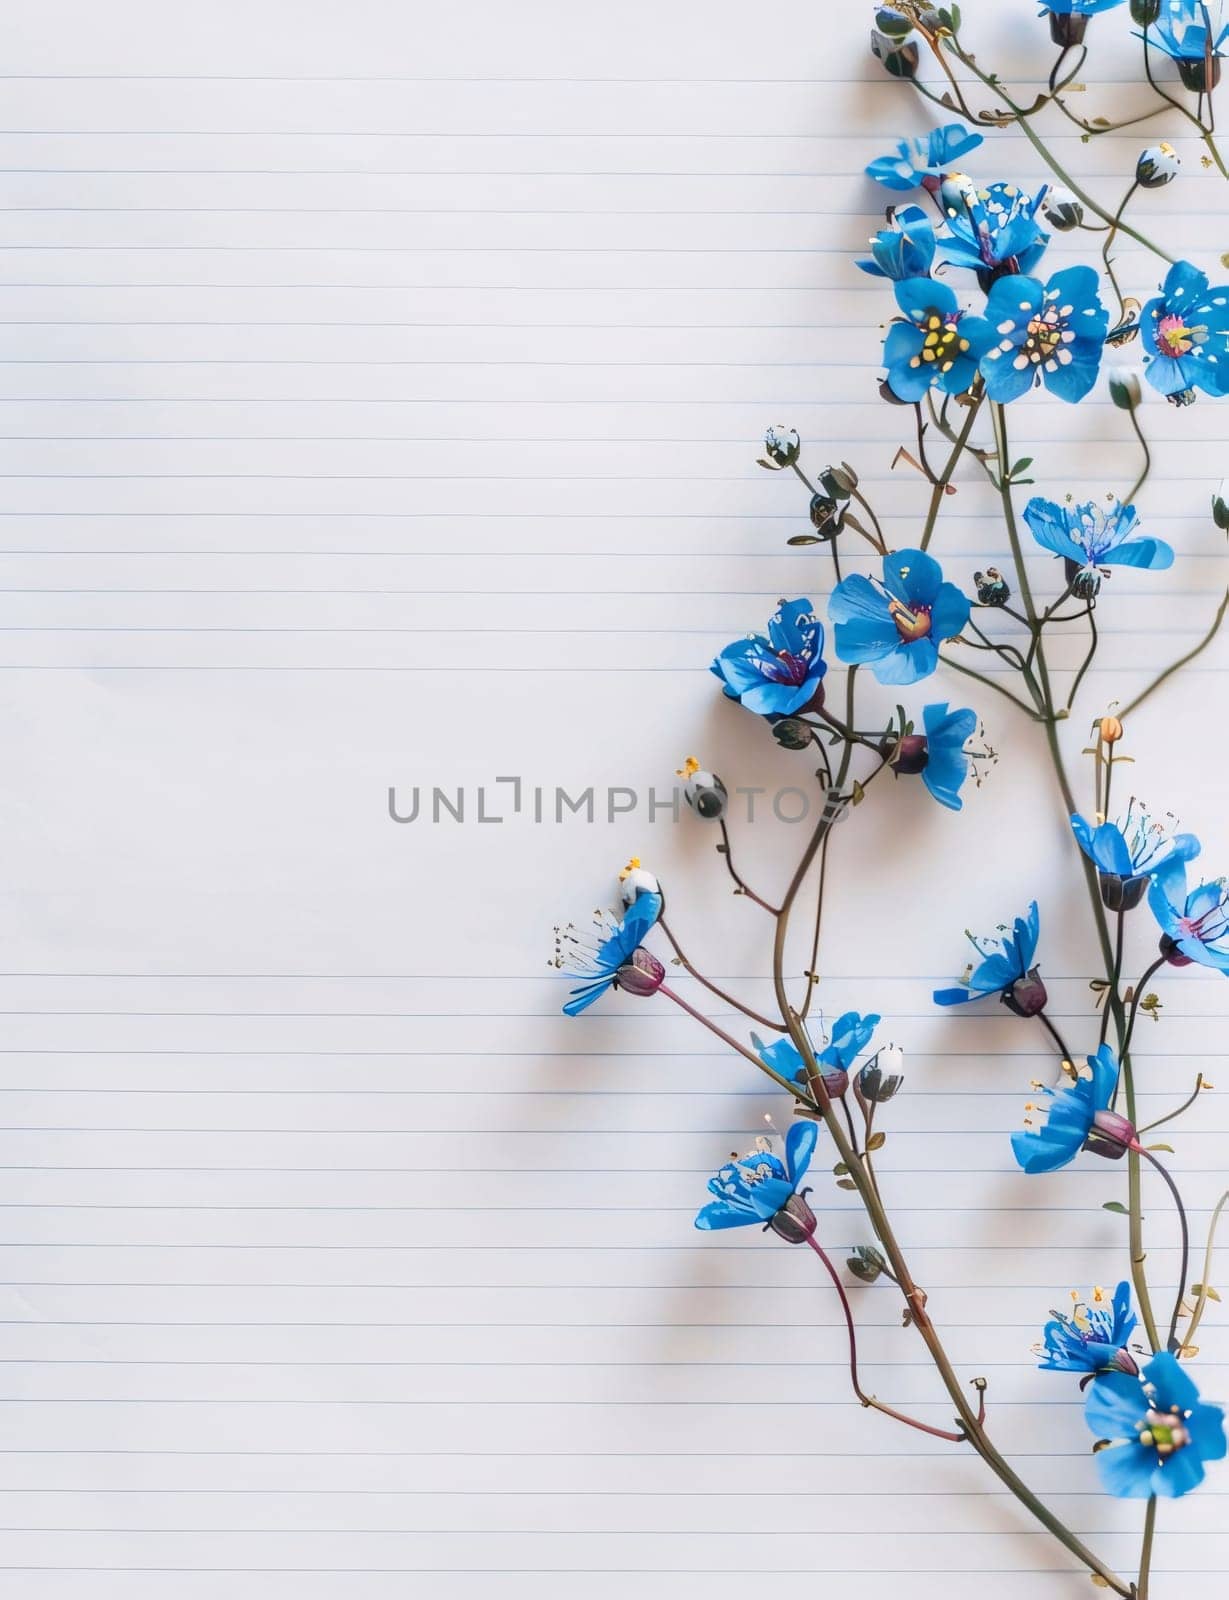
782 446
992 587
893 23
840 482
1124 389
634 880
825 516
703 791
1145 12
1157 166
1062 210
1220 508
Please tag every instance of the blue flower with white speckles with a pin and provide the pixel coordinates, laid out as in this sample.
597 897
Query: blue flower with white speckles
1185 335
994 228
1050 333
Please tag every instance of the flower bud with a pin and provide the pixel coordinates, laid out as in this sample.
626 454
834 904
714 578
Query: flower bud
1027 996
1111 1136
881 1078
992 587
1109 730
1145 12
1121 894
840 482
783 446
1124 389
795 1222
791 733
899 57
825 516
703 791
1220 508
634 881
1157 166
1062 210
641 975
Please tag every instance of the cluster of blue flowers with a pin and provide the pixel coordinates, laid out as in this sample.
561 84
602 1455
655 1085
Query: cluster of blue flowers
1029 332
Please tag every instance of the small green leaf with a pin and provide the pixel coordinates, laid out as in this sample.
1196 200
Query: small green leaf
840 1170
1168 1148
846 1183
876 1141
1210 1292
804 538
1117 1207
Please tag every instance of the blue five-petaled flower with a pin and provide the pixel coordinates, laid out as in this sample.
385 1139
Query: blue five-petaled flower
905 248
937 346
923 162
1185 335
1092 536
1071 1114
1195 921
755 1187
1164 1432
1091 1337
1001 963
596 955
780 674
1133 847
896 624
851 1033
1050 333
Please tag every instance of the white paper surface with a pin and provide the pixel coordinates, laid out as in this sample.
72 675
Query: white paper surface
380 398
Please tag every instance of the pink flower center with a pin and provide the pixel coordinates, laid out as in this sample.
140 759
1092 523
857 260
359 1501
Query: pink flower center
1173 337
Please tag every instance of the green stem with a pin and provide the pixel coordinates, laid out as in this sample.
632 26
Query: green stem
1147 467
1145 1550
939 493
1201 1302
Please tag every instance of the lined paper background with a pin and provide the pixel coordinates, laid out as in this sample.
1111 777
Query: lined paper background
380 397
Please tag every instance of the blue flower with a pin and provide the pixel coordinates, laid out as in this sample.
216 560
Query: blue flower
922 162
762 1188
933 347
896 624
609 953
1196 923
1001 965
905 248
781 674
993 229
1185 334
1034 333
1092 1338
1072 1114
851 1033
1181 32
947 764
1135 847
1077 8
1089 536
1166 1431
